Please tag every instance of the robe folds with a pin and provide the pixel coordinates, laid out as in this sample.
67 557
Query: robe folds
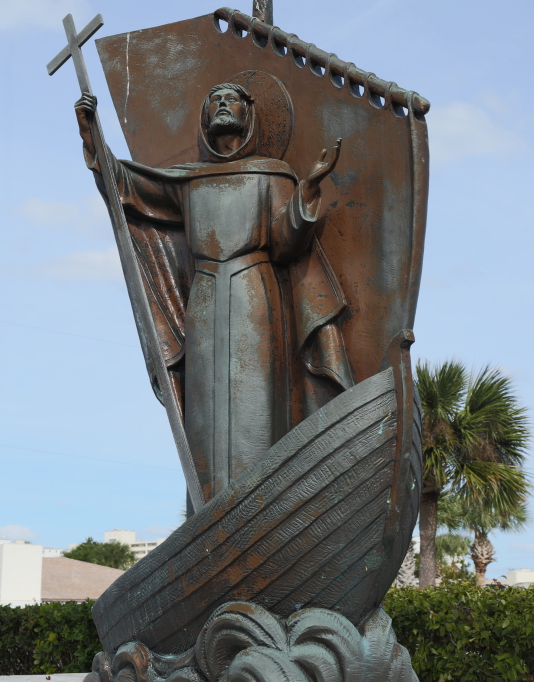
244 300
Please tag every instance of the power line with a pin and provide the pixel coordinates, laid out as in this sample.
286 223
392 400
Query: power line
97 459
79 336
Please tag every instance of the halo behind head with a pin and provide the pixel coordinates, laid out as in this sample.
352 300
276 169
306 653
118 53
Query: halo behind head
273 108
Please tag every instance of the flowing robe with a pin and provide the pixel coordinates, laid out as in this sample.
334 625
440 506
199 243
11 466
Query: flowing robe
216 243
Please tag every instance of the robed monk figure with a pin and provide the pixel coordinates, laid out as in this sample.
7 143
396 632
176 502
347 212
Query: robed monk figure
244 299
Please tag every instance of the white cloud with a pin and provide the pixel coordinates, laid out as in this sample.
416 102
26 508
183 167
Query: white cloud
85 265
89 215
496 102
435 282
17 533
360 14
154 533
517 373
461 130
528 546
42 13
452 277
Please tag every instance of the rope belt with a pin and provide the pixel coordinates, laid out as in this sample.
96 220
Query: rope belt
233 266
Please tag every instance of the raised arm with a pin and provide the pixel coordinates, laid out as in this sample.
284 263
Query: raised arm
141 196
295 211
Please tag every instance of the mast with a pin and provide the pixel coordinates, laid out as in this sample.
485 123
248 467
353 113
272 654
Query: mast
263 10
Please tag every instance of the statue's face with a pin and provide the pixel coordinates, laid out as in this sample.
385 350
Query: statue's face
226 112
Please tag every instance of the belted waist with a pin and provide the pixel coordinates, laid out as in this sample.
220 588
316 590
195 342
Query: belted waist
233 266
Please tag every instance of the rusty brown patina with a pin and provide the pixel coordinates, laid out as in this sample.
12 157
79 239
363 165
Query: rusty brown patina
276 292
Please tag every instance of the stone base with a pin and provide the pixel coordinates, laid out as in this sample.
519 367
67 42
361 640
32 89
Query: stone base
243 642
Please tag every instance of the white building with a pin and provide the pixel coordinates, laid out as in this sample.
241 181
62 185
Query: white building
125 537
21 566
523 577
30 574
128 537
52 553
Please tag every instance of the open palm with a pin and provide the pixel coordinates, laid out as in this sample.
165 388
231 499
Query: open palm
318 172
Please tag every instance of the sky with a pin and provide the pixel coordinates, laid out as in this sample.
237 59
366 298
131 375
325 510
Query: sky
84 445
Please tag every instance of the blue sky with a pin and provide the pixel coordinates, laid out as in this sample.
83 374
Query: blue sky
84 446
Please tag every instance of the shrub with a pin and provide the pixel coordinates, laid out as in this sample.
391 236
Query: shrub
453 632
461 632
47 638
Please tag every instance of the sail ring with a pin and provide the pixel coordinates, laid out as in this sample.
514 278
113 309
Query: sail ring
335 78
372 97
258 38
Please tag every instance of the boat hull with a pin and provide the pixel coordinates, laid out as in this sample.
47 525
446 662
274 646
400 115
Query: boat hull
323 520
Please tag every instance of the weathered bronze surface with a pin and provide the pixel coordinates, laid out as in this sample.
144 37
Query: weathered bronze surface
274 287
286 343
319 521
243 641
222 235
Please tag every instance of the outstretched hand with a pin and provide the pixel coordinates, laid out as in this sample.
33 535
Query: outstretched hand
318 172
85 109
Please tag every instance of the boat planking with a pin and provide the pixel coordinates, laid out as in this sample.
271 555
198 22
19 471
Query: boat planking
323 520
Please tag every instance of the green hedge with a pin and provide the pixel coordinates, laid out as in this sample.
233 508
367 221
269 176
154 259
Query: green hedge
460 632
453 632
50 638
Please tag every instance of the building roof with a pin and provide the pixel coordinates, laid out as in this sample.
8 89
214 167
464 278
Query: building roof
71 580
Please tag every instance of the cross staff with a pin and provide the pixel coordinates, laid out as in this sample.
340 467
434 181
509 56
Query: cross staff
136 290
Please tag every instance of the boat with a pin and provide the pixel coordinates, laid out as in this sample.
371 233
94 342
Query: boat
323 520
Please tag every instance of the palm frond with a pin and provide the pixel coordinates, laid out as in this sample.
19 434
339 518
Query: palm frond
457 513
441 388
495 485
451 546
492 425
451 512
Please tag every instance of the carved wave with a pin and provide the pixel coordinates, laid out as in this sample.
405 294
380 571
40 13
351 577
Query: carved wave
243 642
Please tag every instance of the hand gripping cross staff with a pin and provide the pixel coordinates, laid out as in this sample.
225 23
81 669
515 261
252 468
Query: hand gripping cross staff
143 317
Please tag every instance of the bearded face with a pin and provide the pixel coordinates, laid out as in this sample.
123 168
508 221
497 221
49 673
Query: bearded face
225 113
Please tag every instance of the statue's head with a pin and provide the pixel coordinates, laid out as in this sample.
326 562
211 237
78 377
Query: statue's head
227 110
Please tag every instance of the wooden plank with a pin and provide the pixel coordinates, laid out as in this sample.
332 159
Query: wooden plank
211 571
155 583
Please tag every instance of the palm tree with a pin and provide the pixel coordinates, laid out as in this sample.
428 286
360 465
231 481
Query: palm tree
406 575
451 548
482 553
441 390
474 441
455 514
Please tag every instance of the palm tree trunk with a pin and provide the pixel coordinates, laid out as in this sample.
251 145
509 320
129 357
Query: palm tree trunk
480 572
428 522
482 553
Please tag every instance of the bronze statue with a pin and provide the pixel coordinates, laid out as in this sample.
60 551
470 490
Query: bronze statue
245 220
275 317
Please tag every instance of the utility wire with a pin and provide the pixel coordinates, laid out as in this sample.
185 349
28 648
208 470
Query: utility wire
97 459
79 336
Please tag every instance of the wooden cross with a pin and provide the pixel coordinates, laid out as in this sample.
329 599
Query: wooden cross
73 50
